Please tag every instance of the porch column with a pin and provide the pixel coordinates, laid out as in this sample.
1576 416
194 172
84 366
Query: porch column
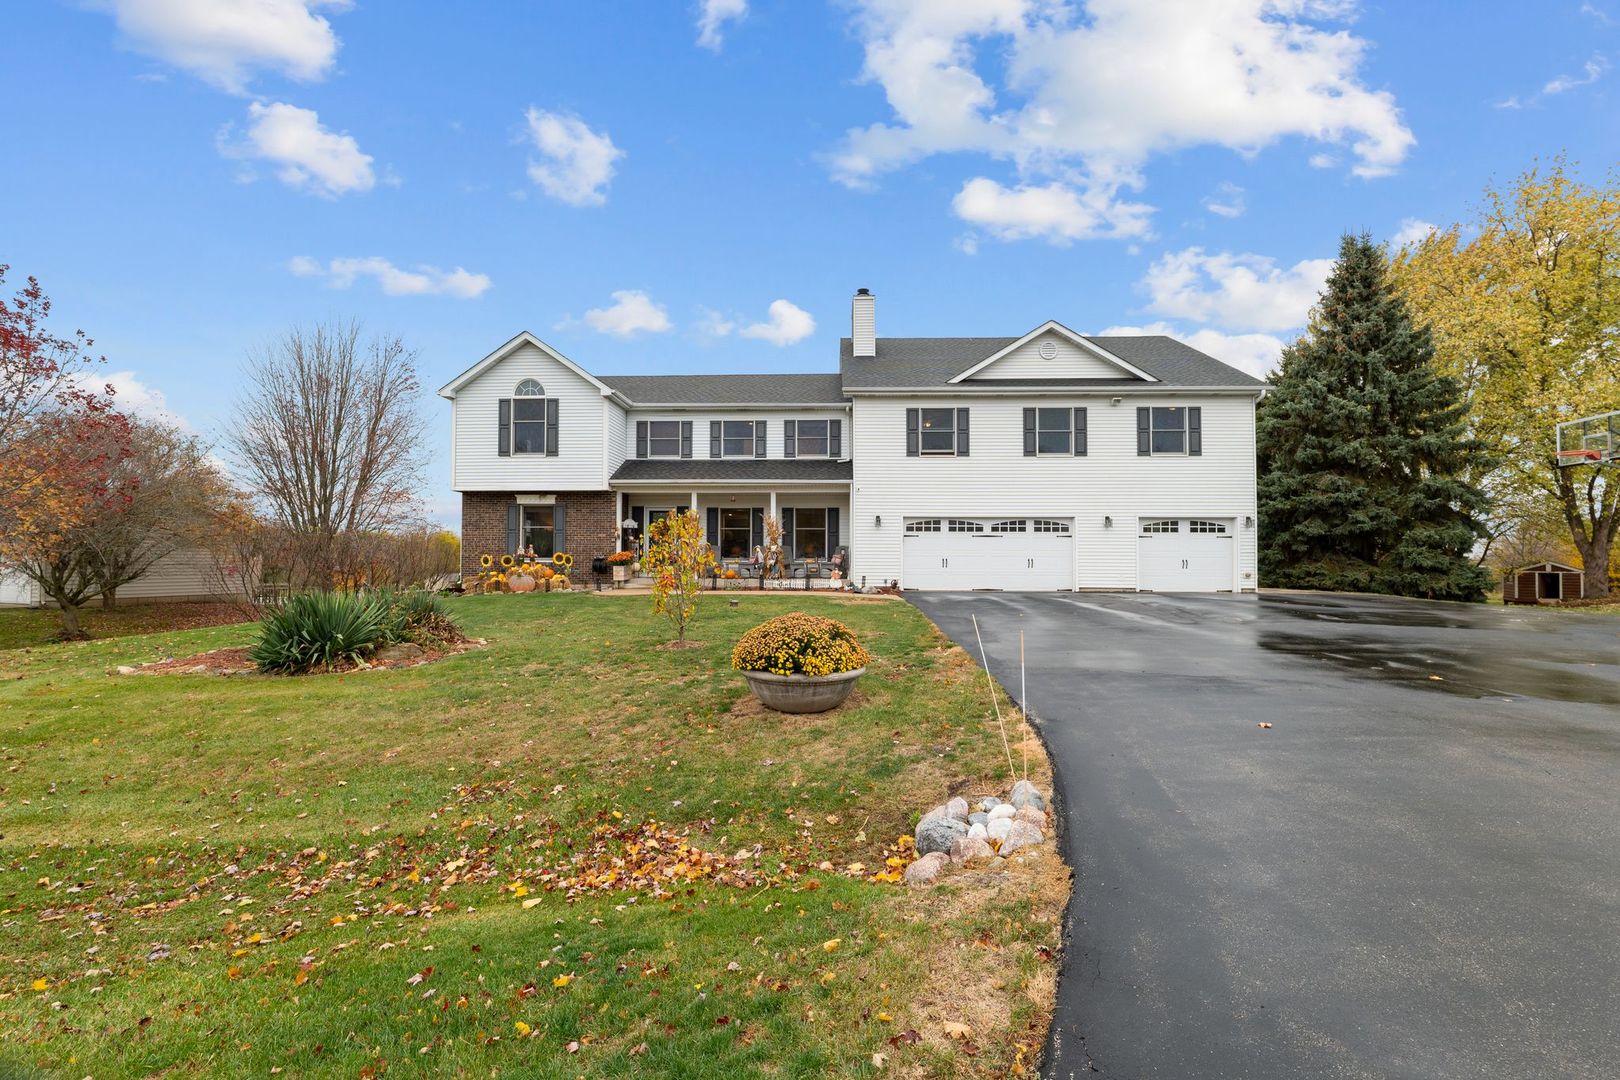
773 502
694 504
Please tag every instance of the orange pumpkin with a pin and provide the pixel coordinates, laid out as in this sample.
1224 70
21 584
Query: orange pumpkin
547 572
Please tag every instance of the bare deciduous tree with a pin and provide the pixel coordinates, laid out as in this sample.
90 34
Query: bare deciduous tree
329 439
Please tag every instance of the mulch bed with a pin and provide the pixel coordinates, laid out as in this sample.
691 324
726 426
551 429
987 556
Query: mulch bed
235 661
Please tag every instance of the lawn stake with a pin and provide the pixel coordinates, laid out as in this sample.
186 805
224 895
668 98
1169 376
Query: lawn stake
1012 774
1023 699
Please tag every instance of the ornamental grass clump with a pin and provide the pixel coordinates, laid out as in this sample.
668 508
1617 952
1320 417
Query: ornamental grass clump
799 644
321 629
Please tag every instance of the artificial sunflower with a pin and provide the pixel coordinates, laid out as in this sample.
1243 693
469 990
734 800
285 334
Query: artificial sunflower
486 561
563 560
507 561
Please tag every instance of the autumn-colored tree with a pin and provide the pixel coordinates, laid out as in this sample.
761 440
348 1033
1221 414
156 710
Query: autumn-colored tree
1524 303
678 558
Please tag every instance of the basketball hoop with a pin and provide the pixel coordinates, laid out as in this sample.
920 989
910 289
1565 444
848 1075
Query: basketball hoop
1589 440
1582 455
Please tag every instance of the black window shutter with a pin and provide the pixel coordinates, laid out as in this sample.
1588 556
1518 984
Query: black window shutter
1029 432
790 438
759 438
559 529
639 513
787 532
961 433
641 438
686 438
551 427
1144 431
1195 430
911 433
514 518
712 533
1080 432
832 530
504 422
756 528
714 439
835 438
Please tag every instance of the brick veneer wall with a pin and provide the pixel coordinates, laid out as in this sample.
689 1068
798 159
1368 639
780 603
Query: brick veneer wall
590 522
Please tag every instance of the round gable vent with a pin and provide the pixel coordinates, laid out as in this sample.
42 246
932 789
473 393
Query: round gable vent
1048 350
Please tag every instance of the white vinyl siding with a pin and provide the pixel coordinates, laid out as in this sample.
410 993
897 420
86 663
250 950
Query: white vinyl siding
1069 361
582 427
187 574
997 480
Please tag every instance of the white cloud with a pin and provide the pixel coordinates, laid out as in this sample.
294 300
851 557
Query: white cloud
1249 292
423 281
132 397
712 17
306 155
632 312
225 41
787 324
1089 93
1591 72
577 162
1256 354
1054 212
1227 200
1412 231
713 324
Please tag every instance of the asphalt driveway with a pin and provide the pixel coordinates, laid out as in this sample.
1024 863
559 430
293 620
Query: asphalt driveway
1415 872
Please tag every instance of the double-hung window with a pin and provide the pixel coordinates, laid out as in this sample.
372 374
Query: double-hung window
1169 431
663 438
810 438
1055 432
809 533
736 532
737 438
538 531
938 431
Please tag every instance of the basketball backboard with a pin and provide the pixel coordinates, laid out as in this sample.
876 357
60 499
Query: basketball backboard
1591 440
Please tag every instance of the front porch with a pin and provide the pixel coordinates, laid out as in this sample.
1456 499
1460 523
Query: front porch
814 524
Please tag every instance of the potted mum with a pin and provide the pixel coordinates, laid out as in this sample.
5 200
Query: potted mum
620 562
800 663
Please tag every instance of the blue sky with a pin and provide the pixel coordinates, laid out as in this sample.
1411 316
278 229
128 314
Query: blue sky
665 187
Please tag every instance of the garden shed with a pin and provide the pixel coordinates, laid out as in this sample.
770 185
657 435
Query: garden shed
1543 583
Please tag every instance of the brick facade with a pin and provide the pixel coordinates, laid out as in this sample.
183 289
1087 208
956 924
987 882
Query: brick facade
590 522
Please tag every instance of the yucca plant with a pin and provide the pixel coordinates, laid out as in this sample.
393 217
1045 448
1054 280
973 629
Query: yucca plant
318 629
419 616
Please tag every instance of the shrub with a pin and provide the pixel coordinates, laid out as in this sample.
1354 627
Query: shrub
318 629
799 644
418 616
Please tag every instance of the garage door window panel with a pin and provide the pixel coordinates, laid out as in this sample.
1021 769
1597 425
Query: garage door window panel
1161 526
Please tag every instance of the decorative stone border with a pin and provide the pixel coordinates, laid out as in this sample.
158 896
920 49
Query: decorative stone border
953 834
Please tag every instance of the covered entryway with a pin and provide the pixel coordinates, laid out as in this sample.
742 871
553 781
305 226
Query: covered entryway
1184 555
1014 554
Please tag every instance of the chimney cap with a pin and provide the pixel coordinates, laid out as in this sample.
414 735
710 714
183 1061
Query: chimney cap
863 292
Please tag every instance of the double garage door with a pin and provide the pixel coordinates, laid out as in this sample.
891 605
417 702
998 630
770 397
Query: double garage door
1016 554
1037 554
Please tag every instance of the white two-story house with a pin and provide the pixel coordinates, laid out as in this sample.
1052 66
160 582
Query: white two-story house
1050 461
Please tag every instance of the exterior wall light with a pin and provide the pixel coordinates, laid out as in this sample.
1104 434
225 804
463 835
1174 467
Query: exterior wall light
877 522
1248 522
1108 522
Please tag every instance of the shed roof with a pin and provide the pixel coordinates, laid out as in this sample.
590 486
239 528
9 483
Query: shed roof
1548 568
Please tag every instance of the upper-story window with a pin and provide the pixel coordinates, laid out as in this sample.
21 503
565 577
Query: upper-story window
936 432
664 438
737 438
529 418
1055 432
813 438
1169 431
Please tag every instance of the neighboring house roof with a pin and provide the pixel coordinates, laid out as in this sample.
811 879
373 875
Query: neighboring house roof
824 389
763 470
934 362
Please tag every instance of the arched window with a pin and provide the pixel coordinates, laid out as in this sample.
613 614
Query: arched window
529 418
529 388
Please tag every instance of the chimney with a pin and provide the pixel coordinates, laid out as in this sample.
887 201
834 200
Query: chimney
863 323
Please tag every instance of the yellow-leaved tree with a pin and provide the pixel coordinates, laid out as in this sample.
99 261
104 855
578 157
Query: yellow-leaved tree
678 558
1524 303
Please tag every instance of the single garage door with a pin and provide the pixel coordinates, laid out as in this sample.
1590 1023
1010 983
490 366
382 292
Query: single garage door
15 589
1015 554
1184 555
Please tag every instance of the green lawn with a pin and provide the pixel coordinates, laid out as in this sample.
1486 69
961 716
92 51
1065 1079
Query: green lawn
247 875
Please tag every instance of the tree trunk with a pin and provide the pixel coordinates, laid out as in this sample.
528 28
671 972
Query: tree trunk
109 598
71 630
1595 557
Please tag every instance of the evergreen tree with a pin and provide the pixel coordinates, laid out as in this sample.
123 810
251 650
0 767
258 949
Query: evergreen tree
1363 448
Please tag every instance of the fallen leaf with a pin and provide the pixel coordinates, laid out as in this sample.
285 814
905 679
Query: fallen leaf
572 1047
832 944
522 1028
638 1049
955 1030
879 1060
1263 724
562 980
908 1037
42 984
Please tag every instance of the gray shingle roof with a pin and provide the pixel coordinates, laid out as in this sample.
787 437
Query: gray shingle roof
766 470
908 362
818 389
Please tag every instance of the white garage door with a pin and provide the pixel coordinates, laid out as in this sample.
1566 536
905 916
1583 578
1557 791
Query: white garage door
1184 555
15 589
1016 554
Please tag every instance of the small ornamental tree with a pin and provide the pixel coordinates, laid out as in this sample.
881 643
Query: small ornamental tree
678 559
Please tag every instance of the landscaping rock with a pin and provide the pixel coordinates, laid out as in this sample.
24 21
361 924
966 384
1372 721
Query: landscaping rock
925 871
404 650
958 809
938 813
1030 814
1002 811
938 835
988 803
967 848
978 817
1024 794
1020 834
999 828
977 829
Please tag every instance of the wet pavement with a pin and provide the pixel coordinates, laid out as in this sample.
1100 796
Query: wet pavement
1415 872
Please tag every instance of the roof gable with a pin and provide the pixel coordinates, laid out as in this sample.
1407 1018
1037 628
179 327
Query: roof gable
1052 351
449 389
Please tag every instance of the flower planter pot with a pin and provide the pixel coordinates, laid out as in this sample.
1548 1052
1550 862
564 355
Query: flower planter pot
621 573
520 583
802 693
